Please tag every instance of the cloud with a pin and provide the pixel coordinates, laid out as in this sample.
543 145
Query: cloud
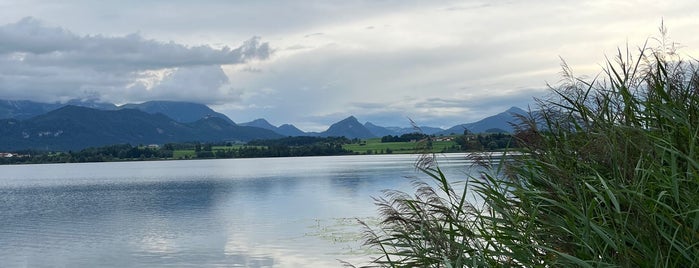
53 64
202 84
442 86
313 34
446 62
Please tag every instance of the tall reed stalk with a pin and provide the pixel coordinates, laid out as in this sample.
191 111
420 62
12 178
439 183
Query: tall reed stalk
608 176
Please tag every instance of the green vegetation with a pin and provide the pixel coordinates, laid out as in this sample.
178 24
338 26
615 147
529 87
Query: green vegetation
421 143
285 147
375 146
120 152
608 176
410 137
288 147
184 154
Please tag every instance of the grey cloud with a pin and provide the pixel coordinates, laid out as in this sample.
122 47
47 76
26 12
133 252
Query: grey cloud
520 97
442 103
53 64
422 84
38 44
463 109
368 105
251 70
313 34
204 84
297 47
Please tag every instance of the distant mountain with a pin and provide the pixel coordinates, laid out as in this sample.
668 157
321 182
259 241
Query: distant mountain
219 129
284 130
427 130
91 104
290 130
37 125
183 112
73 128
261 123
406 130
499 121
24 109
380 131
348 127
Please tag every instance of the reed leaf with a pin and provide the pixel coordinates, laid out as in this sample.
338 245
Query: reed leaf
607 175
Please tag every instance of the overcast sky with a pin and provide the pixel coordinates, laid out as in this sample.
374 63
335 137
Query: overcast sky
312 63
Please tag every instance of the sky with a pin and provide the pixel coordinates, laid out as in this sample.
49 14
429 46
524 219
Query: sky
313 63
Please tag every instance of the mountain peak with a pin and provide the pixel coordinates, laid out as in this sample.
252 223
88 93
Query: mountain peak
350 118
348 127
261 120
290 130
515 110
183 112
500 121
261 123
74 127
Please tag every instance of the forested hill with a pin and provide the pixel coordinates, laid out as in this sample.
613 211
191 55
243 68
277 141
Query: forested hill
185 112
73 127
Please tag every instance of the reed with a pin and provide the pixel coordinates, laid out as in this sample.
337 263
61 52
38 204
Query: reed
608 176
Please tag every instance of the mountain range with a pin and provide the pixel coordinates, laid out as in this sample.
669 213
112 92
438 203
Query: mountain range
73 127
284 130
79 124
497 123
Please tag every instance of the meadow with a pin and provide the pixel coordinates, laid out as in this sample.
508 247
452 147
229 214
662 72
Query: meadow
375 146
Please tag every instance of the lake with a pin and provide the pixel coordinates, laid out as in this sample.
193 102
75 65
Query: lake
262 212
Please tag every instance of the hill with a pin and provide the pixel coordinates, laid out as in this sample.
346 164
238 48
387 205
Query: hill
73 127
261 123
499 121
24 109
286 130
380 131
183 112
348 127
290 131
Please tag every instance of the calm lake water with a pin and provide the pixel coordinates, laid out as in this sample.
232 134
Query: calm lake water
265 212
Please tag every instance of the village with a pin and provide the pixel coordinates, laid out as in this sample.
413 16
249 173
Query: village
11 155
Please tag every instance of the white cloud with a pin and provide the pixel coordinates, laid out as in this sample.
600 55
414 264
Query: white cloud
442 62
53 64
202 84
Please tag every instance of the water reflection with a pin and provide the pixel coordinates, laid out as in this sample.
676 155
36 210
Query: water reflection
294 212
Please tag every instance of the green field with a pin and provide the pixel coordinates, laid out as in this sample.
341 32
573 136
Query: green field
177 154
375 146
191 153
369 146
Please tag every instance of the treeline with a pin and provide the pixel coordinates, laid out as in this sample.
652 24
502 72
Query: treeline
466 142
405 137
118 152
485 142
285 147
275 151
302 141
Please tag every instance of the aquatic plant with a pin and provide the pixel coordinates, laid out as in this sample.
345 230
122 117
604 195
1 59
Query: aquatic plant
608 176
